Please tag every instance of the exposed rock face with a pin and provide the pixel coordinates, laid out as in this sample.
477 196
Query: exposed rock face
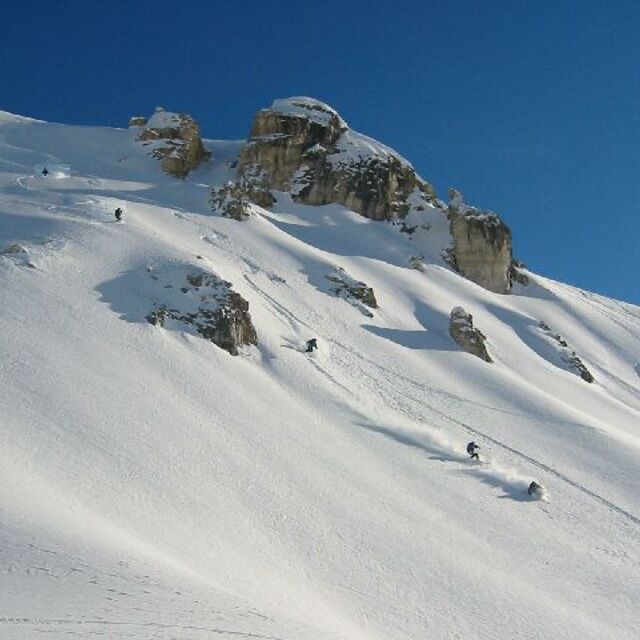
186 297
303 146
482 249
472 340
567 355
174 138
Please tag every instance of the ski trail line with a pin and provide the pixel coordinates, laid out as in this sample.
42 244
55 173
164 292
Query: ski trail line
474 431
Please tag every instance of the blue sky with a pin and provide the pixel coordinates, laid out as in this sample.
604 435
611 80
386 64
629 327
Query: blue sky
531 109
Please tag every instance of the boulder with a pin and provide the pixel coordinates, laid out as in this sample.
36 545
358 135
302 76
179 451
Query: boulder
187 298
303 146
482 250
349 288
174 138
472 340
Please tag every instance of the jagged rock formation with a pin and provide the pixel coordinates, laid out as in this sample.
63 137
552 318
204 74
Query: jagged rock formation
303 146
352 290
174 138
482 249
186 297
517 273
234 199
472 340
567 355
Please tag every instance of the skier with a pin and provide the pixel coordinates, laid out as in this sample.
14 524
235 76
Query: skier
118 214
45 172
311 345
534 488
471 450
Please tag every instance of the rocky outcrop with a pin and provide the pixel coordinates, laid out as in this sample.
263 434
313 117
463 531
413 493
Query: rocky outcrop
346 286
234 199
303 146
472 340
481 249
187 298
567 355
174 138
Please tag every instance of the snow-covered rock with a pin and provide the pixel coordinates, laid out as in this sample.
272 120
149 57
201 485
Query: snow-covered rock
303 146
173 138
356 292
187 297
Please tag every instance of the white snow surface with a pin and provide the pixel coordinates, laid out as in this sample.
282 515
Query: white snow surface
153 486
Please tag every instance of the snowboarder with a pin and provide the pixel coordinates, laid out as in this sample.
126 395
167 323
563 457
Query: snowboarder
471 450
534 488
118 214
311 345
45 172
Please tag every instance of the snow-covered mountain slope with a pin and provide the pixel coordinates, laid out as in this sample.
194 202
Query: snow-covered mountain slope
154 486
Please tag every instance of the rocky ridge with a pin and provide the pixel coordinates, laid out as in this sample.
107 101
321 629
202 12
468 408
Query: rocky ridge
303 146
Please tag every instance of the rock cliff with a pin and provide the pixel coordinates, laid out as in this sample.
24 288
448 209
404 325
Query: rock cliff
303 146
482 250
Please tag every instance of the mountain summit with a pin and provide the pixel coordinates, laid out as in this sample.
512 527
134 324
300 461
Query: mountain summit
289 392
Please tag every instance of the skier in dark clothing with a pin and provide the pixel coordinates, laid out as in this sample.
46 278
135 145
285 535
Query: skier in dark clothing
471 450
45 172
311 345
118 213
534 488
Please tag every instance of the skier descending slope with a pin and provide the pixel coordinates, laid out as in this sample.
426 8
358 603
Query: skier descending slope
118 213
472 448
311 345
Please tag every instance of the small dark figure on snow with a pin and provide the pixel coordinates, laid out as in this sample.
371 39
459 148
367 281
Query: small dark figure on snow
311 345
471 450
534 488
118 213
45 172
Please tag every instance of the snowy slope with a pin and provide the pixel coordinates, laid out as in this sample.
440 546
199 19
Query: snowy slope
153 486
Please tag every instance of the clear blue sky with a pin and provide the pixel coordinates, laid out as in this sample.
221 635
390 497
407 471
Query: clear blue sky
531 108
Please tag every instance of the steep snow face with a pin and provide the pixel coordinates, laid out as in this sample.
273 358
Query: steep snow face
154 486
